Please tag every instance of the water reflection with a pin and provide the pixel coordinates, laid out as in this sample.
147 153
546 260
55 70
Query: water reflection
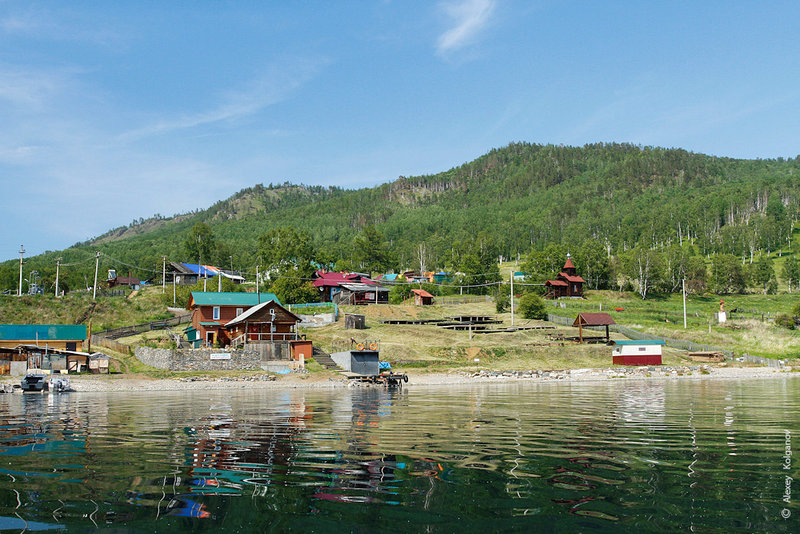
640 455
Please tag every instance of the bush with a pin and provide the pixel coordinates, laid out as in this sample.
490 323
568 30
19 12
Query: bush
786 321
399 293
502 299
531 306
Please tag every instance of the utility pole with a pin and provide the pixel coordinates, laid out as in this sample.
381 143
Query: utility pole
96 265
683 284
21 253
163 274
58 265
173 289
219 281
512 297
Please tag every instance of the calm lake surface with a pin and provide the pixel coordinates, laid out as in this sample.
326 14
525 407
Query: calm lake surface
644 456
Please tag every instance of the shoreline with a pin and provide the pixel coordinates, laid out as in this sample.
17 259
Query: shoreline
94 383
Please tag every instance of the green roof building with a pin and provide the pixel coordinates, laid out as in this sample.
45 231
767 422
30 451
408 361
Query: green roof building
56 336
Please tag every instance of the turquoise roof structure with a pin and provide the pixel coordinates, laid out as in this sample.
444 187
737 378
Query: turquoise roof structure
640 342
42 332
214 298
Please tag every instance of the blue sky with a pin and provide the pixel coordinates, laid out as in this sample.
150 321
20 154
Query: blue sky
111 111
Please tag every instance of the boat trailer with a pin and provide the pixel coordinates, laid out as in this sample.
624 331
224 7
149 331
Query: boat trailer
386 378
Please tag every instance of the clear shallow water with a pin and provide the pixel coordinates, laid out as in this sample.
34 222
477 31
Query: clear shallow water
702 456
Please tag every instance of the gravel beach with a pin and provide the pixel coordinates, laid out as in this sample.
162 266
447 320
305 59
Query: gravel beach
87 383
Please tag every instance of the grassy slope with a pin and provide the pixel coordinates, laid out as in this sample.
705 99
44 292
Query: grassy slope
79 308
433 348
663 316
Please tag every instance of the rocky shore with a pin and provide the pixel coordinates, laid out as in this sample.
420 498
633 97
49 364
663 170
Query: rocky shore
87 383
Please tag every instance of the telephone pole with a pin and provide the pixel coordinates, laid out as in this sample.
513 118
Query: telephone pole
96 266
163 274
512 297
58 264
21 253
683 285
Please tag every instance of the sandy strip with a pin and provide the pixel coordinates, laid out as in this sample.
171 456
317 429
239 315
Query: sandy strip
306 381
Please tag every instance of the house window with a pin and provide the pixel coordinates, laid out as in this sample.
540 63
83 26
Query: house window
239 311
642 349
215 313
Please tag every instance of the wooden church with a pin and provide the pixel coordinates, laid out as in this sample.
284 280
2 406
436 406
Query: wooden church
566 284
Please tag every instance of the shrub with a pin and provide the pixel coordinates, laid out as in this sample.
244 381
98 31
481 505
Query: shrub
785 320
400 293
531 306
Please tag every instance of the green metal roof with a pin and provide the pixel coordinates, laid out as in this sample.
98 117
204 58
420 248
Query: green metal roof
213 298
641 342
209 323
42 332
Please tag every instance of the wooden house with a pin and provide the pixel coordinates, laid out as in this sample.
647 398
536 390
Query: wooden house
55 336
266 322
422 297
329 284
367 292
122 281
179 274
191 273
211 311
637 352
566 284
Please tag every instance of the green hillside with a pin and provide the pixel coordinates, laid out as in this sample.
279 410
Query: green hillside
506 203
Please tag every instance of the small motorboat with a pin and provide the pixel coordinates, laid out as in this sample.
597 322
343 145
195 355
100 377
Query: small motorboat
59 384
34 380
38 380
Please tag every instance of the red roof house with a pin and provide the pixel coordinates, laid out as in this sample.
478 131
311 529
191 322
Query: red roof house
566 284
422 297
330 283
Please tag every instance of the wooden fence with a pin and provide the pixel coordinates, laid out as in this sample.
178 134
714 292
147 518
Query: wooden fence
125 331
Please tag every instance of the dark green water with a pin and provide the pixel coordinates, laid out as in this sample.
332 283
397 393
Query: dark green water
699 456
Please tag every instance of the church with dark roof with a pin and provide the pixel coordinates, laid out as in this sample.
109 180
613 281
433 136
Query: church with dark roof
566 284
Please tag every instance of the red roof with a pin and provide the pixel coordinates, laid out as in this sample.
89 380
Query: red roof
593 319
334 279
556 283
569 264
570 278
421 293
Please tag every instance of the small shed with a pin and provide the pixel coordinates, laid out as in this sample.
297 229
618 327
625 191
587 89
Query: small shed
422 297
360 362
592 319
353 321
637 352
301 351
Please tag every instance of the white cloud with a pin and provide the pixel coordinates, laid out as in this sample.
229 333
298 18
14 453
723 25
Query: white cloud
265 90
468 18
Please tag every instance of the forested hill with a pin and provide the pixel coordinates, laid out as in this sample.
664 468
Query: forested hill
507 201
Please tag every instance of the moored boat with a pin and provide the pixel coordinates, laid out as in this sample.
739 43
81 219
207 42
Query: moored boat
34 380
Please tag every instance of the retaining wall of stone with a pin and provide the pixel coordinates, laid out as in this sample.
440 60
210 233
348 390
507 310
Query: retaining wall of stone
200 359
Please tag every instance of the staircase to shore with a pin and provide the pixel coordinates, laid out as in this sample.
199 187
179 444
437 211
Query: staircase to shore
325 360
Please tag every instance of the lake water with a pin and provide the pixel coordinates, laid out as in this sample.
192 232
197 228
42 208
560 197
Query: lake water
643 456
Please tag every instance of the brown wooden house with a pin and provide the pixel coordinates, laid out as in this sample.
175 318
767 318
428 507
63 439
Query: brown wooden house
266 322
566 284
422 297
213 310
